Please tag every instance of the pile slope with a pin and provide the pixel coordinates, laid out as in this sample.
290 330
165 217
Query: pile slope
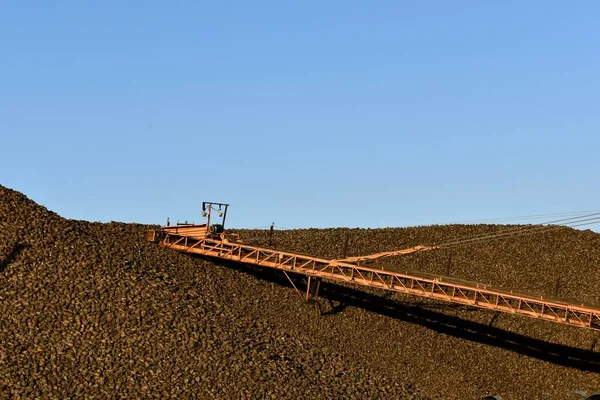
90 309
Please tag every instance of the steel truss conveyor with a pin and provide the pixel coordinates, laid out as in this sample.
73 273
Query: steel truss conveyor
419 284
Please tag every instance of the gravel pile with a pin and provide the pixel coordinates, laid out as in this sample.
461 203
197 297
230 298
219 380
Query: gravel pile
91 310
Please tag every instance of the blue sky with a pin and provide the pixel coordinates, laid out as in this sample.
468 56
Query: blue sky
306 114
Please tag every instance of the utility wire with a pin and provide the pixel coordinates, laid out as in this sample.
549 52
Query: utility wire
523 217
521 232
503 232
544 229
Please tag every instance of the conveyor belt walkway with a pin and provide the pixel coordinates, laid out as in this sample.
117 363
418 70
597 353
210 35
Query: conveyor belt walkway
419 284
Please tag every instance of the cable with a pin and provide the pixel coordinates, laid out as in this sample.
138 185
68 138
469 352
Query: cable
523 217
514 233
544 229
511 230
520 230
587 223
523 232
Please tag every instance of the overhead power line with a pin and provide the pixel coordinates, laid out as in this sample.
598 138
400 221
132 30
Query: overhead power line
581 220
523 217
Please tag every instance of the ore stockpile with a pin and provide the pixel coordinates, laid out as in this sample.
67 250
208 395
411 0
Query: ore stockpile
91 310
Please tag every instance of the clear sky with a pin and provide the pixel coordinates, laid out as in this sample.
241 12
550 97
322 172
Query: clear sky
302 113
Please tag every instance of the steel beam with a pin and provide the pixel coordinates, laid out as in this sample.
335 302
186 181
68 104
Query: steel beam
420 284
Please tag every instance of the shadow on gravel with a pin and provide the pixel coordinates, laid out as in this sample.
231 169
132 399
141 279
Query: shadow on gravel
12 256
574 357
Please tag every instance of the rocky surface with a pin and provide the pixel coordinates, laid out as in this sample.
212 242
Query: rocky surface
91 310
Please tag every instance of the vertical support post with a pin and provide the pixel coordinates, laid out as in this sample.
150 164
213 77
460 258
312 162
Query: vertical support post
271 234
318 287
346 239
308 288
225 215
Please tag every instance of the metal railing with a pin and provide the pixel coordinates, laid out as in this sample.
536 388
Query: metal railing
425 285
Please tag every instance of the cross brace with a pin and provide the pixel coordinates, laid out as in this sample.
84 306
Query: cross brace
420 284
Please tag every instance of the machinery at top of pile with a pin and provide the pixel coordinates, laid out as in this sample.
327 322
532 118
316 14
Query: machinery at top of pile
198 231
212 241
